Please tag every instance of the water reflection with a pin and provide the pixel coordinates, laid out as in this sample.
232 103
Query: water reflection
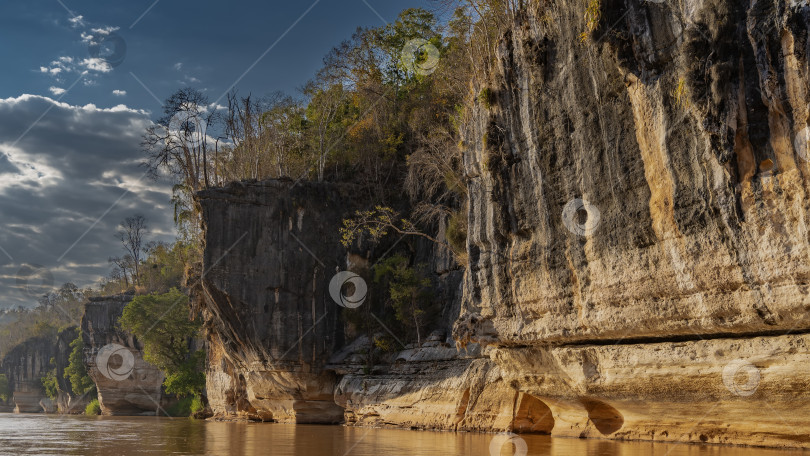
103 436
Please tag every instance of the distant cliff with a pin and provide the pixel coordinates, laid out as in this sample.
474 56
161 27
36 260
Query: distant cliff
28 362
638 246
126 384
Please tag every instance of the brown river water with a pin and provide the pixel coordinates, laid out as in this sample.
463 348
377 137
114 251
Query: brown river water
79 435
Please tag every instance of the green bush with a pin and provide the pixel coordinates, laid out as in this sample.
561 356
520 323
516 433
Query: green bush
76 372
409 293
50 384
180 408
197 404
93 408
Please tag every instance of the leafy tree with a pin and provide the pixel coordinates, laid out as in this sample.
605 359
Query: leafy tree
409 292
50 382
76 372
161 322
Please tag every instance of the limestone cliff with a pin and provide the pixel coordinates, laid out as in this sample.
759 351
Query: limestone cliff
638 219
638 246
27 363
126 384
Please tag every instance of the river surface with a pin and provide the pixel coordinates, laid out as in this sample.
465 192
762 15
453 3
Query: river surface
79 435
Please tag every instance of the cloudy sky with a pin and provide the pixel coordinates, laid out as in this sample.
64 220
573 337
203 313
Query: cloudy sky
80 82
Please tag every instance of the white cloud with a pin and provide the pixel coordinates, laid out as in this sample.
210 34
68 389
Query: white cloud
119 93
96 64
105 30
58 181
77 21
68 64
57 90
178 66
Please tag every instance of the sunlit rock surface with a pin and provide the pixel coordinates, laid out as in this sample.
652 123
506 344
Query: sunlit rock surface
660 310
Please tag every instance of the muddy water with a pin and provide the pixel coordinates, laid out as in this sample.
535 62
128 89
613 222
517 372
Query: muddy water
66 435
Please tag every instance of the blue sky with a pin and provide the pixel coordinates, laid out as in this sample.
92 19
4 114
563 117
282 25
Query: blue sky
73 108
214 45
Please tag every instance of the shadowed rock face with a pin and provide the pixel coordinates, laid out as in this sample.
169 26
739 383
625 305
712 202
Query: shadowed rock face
683 125
270 254
123 388
27 363
24 366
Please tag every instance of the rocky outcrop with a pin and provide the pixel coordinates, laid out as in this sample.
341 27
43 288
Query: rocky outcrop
126 384
26 364
638 219
24 367
271 249
638 246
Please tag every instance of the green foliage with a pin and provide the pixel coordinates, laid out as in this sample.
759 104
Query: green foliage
188 377
185 406
93 408
409 291
50 382
5 388
197 404
161 322
76 372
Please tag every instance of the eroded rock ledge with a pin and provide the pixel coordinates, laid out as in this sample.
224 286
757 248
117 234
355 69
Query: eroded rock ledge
680 316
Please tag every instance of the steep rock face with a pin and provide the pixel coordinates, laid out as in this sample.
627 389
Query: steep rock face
278 350
126 384
638 219
27 363
271 250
